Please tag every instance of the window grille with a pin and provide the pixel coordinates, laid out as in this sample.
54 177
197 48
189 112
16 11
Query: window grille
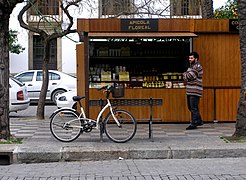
185 7
115 7
38 53
44 7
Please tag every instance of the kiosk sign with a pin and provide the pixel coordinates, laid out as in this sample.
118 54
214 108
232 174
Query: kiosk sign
233 25
139 25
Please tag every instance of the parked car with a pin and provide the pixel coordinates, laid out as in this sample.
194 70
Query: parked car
59 82
18 97
66 100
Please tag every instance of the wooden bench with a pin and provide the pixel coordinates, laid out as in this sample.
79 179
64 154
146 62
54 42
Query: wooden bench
133 102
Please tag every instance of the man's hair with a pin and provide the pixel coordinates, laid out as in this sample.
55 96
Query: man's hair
195 54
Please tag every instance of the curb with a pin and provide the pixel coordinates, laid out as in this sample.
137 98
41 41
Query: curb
79 154
8 154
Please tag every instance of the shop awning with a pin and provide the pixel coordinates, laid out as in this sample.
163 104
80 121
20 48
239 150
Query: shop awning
142 35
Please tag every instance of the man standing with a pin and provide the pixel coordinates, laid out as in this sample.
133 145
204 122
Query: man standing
193 79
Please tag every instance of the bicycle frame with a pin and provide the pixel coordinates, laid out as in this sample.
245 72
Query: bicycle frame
108 105
67 124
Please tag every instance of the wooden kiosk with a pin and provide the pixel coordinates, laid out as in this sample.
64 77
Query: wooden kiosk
149 56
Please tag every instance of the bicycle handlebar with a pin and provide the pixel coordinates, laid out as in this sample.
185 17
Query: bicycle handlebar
103 87
107 89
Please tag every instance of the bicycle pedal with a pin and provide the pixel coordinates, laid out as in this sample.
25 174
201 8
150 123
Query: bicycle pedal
92 124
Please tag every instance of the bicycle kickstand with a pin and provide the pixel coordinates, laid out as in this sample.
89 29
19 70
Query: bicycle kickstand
101 130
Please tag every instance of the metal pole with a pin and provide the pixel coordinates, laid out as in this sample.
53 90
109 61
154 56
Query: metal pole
150 119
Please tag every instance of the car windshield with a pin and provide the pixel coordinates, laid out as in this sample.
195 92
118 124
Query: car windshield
70 75
17 81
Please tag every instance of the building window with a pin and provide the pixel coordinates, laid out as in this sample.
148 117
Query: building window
115 7
44 7
185 7
38 53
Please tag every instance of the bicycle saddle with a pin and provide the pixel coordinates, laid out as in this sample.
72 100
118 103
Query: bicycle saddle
77 98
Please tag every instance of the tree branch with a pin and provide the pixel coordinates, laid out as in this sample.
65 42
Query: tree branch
24 25
68 30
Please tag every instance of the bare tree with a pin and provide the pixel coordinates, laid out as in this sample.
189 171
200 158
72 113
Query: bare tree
6 8
48 36
241 112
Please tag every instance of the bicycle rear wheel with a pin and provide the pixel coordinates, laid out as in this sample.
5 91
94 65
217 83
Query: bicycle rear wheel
125 131
65 125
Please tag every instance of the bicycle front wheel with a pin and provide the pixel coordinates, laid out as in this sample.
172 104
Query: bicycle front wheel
65 125
125 131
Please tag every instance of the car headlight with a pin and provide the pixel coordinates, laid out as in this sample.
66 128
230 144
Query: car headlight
62 98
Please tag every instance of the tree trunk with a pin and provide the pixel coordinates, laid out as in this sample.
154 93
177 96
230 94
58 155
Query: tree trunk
6 8
42 96
241 112
48 35
4 76
207 9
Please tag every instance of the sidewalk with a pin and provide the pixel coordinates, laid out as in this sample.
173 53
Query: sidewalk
170 141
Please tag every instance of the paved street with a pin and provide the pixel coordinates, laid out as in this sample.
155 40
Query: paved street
198 154
30 112
221 169
170 141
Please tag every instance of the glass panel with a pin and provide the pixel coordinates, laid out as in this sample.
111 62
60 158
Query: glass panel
39 76
17 81
25 77
54 76
115 7
185 7
38 52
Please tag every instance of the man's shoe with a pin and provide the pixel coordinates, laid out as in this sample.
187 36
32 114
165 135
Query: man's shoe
200 123
190 127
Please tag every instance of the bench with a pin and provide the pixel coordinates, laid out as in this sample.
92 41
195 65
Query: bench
132 102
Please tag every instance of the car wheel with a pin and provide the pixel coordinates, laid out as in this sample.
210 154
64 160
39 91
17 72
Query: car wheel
55 94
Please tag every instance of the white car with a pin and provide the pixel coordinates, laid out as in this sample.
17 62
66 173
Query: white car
18 98
59 82
66 100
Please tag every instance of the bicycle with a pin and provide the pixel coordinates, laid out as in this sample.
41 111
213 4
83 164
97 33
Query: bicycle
67 124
